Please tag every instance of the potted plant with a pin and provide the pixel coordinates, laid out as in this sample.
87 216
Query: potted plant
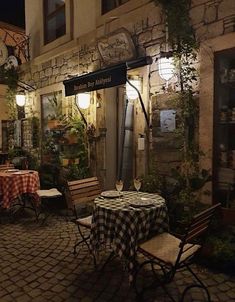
56 119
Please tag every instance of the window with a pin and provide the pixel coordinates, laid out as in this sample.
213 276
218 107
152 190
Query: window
108 5
54 20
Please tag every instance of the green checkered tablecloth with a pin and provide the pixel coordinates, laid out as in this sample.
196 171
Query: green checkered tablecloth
116 222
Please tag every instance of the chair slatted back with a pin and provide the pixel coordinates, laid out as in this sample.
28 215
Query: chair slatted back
84 190
197 229
6 167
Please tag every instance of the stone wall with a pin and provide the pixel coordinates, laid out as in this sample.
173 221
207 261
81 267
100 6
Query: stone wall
211 19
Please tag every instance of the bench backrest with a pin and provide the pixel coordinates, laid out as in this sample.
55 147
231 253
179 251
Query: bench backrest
6 167
83 190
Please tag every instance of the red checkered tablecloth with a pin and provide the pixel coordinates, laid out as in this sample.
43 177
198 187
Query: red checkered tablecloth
14 184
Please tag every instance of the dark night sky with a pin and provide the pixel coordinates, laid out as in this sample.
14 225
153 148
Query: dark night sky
12 11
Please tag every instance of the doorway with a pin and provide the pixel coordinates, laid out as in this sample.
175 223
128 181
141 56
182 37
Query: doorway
119 137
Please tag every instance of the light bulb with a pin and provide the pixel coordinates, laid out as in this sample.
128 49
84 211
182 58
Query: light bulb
83 100
131 93
166 68
20 100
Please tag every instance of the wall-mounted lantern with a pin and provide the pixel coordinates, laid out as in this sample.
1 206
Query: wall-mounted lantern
20 99
133 92
166 66
83 100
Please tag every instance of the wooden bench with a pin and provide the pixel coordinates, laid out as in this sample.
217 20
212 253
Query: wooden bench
6 167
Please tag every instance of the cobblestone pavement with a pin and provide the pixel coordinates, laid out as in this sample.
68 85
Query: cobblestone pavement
37 264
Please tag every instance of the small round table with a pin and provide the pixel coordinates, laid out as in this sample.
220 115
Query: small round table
14 184
118 222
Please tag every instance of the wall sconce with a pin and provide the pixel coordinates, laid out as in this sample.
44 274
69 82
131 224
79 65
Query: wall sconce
20 99
137 95
166 66
131 92
83 100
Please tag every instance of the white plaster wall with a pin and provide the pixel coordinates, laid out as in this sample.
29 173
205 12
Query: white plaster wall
33 24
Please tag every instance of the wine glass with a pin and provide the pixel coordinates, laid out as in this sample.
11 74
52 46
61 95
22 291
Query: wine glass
119 186
137 184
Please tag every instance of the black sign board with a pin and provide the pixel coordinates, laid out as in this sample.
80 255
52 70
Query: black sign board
104 78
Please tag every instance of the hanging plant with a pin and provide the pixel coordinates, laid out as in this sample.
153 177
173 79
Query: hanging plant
10 78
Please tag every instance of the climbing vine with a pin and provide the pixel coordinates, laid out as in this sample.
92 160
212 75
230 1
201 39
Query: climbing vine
184 46
10 78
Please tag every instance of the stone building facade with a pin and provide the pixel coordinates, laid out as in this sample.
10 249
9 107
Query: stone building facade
78 53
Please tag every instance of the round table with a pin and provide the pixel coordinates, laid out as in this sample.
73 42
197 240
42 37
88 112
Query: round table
117 222
14 184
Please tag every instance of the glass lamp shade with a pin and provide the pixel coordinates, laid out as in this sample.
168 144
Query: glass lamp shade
130 91
166 68
20 100
83 100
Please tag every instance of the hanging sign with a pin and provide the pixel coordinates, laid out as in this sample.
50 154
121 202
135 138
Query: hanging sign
116 47
3 53
108 77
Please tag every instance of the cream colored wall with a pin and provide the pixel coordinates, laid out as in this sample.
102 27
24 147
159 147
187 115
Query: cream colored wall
84 17
33 23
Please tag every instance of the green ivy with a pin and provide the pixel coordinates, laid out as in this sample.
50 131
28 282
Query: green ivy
10 78
181 32
184 46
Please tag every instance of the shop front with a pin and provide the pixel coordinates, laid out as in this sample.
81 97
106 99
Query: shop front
122 116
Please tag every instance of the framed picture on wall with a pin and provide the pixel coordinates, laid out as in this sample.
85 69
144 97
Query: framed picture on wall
167 120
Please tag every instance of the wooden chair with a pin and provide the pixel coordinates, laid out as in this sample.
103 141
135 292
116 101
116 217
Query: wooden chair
170 254
45 196
80 192
5 167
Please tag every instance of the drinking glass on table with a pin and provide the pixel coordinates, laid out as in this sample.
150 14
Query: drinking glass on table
119 187
137 184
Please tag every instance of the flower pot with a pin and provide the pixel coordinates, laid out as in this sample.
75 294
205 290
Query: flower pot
54 124
73 161
65 162
71 138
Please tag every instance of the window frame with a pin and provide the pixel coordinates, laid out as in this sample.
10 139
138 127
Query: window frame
49 16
